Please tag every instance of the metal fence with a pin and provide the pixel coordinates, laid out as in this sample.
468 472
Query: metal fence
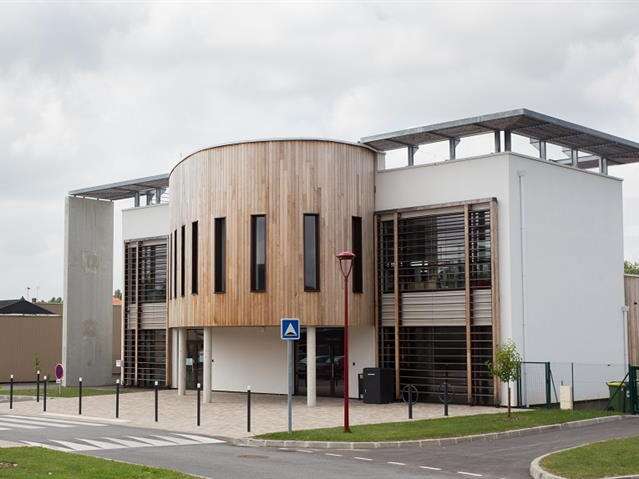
540 382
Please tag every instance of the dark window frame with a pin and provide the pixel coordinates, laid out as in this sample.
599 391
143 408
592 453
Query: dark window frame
357 249
219 254
256 287
316 259
174 275
182 259
194 256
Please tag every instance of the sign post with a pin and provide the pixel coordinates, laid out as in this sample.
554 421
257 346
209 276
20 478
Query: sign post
289 332
59 374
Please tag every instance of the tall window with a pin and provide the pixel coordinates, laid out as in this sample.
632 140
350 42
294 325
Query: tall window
182 250
358 282
194 253
174 253
311 252
258 253
219 285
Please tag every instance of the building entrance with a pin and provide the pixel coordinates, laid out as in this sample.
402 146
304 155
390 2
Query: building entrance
194 357
329 362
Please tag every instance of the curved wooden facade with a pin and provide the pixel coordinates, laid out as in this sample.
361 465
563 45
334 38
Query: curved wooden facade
282 179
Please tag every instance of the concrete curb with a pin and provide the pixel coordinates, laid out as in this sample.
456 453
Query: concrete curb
538 472
252 442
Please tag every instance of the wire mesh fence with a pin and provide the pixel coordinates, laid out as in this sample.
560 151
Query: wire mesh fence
540 382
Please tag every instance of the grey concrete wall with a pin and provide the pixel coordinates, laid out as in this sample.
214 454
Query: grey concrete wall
87 323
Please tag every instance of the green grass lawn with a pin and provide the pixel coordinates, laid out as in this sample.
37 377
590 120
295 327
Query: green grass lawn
438 428
39 463
53 391
617 457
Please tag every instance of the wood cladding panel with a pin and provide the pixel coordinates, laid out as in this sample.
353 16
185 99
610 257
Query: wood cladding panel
282 180
631 284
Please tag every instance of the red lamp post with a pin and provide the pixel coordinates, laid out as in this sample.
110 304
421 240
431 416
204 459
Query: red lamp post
346 265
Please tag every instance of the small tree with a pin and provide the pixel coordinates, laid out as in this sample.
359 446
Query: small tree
507 365
36 363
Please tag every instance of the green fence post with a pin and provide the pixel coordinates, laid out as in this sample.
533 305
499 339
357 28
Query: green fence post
632 389
548 395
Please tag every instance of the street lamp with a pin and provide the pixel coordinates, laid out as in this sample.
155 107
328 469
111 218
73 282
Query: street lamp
346 265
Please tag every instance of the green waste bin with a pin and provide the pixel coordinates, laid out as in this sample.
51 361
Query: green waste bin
619 396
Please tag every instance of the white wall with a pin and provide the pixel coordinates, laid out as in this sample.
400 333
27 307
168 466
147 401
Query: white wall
573 251
569 308
145 222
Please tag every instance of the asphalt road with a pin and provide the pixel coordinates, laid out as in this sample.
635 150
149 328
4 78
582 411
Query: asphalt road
211 457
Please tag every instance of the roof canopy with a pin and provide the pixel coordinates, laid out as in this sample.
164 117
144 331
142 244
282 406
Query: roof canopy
521 122
124 189
21 306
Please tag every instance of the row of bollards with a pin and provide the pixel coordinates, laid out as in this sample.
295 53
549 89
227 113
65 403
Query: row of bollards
198 411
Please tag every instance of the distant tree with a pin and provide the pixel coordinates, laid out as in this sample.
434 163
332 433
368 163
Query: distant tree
117 294
631 267
507 365
36 363
57 300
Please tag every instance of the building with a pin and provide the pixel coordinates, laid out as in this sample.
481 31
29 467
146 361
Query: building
31 338
452 258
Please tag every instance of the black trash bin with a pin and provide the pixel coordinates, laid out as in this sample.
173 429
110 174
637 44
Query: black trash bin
379 385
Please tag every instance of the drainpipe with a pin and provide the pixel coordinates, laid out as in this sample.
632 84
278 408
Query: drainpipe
624 332
522 236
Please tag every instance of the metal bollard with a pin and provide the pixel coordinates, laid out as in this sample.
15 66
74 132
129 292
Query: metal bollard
446 397
410 404
44 396
38 386
156 401
80 396
248 409
11 393
117 398
199 390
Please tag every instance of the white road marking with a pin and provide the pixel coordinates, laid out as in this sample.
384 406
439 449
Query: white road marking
152 442
396 463
74 446
4 429
332 454
362 458
102 444
19 426
469 474
201 439
431 468
126 442
283 448
59 421
177 440
46 446
305 451
33 422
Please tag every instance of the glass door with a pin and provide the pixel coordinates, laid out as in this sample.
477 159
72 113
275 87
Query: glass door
194 357
329 362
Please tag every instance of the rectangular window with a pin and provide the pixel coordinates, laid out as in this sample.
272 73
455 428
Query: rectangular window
194 253
311 252
258 253
182 251
174 251
219 285
358 282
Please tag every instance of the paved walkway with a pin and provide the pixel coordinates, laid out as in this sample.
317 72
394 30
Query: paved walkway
226 415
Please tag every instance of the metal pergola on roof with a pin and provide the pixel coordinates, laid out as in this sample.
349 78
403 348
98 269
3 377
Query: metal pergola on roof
149 185
603 147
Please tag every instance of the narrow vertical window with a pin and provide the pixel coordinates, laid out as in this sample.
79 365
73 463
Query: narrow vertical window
258 253
182 251
175 255
194 254
219 285
311 252
358 284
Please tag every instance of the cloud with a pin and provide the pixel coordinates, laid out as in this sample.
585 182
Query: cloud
94 93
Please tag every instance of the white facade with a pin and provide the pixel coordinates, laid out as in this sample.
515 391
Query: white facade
560 237
145 221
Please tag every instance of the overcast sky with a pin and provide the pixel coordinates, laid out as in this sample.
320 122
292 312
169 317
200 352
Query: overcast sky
91 94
